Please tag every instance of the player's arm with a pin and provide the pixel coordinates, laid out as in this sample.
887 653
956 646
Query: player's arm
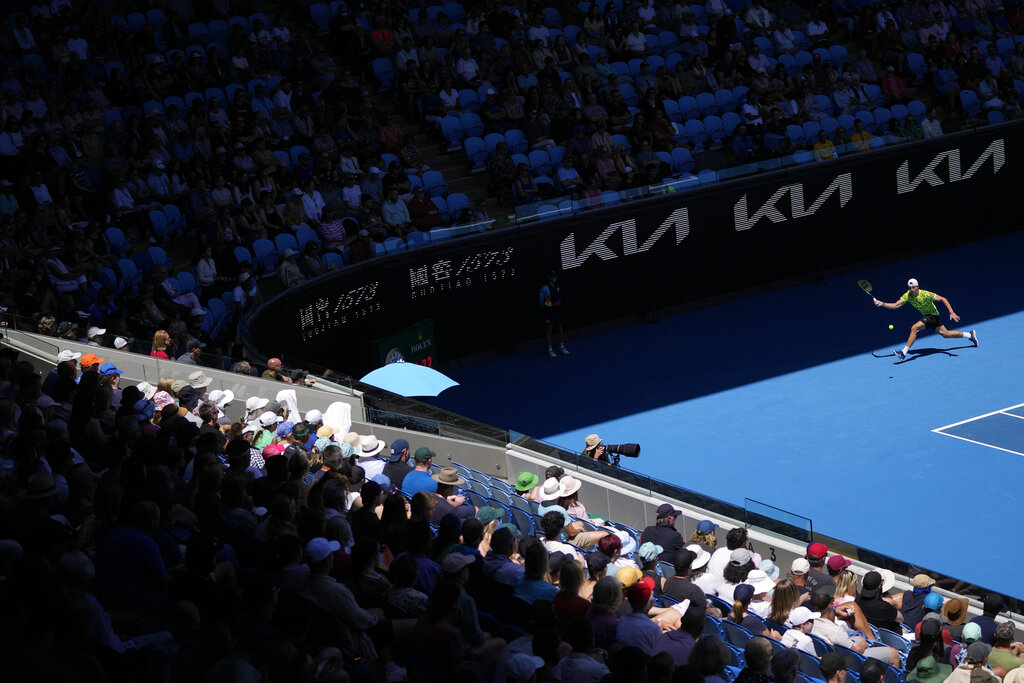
893 306
949 307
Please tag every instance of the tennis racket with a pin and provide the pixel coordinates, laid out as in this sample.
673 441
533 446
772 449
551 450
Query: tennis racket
866 286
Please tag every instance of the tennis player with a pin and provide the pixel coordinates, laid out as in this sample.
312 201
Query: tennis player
924 301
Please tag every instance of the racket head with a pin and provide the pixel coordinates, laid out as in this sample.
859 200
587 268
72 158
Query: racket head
865 285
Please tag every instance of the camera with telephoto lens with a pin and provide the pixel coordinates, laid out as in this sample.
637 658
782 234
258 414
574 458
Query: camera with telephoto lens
630 450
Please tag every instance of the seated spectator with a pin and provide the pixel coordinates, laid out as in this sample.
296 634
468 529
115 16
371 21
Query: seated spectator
423 211
892 86
823 148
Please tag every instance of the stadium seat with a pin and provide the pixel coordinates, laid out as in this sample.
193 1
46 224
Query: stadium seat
471 124
285 241
540 162
393 245
434 184
452 132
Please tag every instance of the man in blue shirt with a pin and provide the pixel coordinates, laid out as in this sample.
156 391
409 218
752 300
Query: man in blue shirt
419 479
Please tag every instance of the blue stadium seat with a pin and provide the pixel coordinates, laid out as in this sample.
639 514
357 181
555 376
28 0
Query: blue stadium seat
434 184
452 132
540 162
476 151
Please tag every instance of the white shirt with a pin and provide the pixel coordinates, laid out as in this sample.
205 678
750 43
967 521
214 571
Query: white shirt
931 128
539 33
283 100
313 204
372 466
467 68
79 47
206 271
817 28
794 637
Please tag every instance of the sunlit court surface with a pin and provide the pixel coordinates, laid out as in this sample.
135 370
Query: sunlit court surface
795 399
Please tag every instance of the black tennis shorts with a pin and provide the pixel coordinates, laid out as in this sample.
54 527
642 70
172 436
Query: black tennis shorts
932 322
552 315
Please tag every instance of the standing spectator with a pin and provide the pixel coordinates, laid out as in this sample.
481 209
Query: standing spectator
663 532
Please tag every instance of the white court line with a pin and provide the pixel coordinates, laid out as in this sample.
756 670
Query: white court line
980 443
1019 417
972 419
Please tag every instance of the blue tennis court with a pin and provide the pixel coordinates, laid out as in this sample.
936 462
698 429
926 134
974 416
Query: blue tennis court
794 398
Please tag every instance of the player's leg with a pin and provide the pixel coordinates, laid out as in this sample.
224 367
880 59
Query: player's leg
954 334
547 335
914 329
561 340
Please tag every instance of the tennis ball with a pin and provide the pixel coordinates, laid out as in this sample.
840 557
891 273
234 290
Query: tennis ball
890 327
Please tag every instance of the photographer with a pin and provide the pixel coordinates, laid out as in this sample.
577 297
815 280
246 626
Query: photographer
595 449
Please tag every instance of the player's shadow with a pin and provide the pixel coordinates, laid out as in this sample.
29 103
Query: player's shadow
914 354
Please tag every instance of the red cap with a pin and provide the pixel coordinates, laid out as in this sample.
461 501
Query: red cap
838 563
270 450
641 591
817 551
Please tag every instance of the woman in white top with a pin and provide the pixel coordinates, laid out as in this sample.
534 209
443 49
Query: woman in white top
206 269
636 41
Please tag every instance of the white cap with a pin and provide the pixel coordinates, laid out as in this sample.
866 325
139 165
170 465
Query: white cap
801 614
120 342
268 418
68 354
912 282
800 566
314 416
95 332
255 403
252 427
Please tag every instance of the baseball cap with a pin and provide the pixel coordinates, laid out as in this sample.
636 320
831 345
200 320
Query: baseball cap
596 562
454 562
109 369
912 282
641 591
319 548
120 343
268 418
314 416
740 556
255 403
89 359
95 332
800 566
283 429
398 446
923 581
68 354
627 576
801 614
706 526
488 514
972 632
872 585
933 601
423 454
1005 631
838 563
666 510
650 551
817 551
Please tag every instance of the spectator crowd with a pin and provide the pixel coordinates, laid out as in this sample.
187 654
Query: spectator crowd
164 532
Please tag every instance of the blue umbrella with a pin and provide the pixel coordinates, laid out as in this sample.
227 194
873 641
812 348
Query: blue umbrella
409 379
